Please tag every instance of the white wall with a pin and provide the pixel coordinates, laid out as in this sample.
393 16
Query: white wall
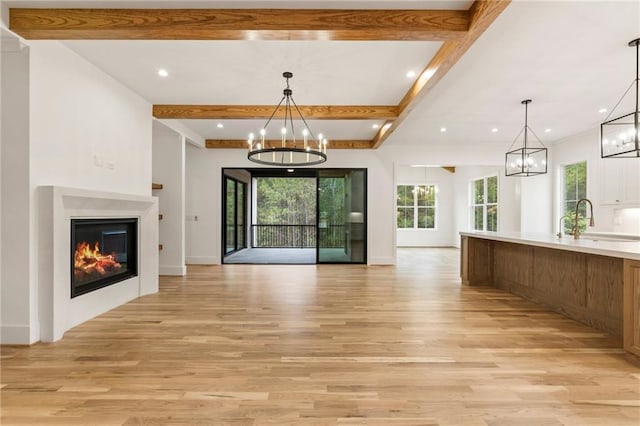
204 193
204 169
509 202
536 208
441 236
525 204
17 282
169 170
203 198
85 130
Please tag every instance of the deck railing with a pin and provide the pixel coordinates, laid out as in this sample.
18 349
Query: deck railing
296 236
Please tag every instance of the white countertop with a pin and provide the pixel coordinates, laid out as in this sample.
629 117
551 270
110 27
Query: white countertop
603 247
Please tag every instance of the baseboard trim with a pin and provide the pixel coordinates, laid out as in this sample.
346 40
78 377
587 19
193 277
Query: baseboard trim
16 335
173 270
202 260
382 260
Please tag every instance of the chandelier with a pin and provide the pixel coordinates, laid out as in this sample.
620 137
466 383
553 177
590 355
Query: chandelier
619 136
288 150
530 158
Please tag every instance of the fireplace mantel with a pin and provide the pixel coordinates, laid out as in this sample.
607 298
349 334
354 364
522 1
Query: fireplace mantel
57 205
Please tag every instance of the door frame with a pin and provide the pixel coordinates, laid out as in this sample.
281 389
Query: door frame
282 172
223 233
365 214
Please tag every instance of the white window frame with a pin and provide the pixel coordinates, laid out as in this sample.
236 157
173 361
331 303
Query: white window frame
416 207
484 204
561 190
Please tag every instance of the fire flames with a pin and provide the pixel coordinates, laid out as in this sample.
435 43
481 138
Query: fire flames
88 261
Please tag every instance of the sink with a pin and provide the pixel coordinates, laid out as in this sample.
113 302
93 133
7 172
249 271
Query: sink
613 237
608 239
596 238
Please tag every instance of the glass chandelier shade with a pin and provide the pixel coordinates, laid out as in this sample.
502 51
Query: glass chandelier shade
291 150
619 136
526 157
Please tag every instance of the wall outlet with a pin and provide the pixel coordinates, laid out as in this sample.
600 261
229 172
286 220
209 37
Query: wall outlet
102 163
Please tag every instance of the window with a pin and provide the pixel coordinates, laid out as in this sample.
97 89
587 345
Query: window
574 187
484 204
416 205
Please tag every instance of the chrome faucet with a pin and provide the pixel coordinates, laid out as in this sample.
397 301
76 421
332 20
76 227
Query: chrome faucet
559 234
576 229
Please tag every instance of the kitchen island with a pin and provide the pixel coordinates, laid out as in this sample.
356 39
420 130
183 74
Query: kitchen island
594 280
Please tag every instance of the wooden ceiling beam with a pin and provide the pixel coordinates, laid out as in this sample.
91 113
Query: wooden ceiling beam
314 112
241 143
238 24
458 29
481 14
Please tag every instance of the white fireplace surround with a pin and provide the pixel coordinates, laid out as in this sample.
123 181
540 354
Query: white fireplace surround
56 207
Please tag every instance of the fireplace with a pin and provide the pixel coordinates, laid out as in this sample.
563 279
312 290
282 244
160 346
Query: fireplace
103 252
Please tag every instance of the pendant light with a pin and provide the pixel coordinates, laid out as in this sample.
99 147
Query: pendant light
619 136
288 151
529 158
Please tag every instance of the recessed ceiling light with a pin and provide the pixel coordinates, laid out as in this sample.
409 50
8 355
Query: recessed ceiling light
163 73
602 110
547 130
411 73
375 126
443 129
290 170
494 130
219 125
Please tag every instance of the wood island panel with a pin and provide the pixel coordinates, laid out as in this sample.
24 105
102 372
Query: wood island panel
513 266
584 287
464 260
605 285
631 314
479 269
560 278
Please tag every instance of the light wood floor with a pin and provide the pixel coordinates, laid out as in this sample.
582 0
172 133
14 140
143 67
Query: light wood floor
324 345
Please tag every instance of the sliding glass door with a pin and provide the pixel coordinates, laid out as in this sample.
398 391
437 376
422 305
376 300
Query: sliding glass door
342 201
234 215
322 212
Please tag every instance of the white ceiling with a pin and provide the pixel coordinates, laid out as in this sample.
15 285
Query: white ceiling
250 72
570 57
240 129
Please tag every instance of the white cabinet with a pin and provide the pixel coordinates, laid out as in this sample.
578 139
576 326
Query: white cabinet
620 181
631 191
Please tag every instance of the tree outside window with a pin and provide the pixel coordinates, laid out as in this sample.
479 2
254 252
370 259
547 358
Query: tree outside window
416 206
484 204
574 188
405 206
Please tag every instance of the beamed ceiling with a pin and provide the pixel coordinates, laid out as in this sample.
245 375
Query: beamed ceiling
473 63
